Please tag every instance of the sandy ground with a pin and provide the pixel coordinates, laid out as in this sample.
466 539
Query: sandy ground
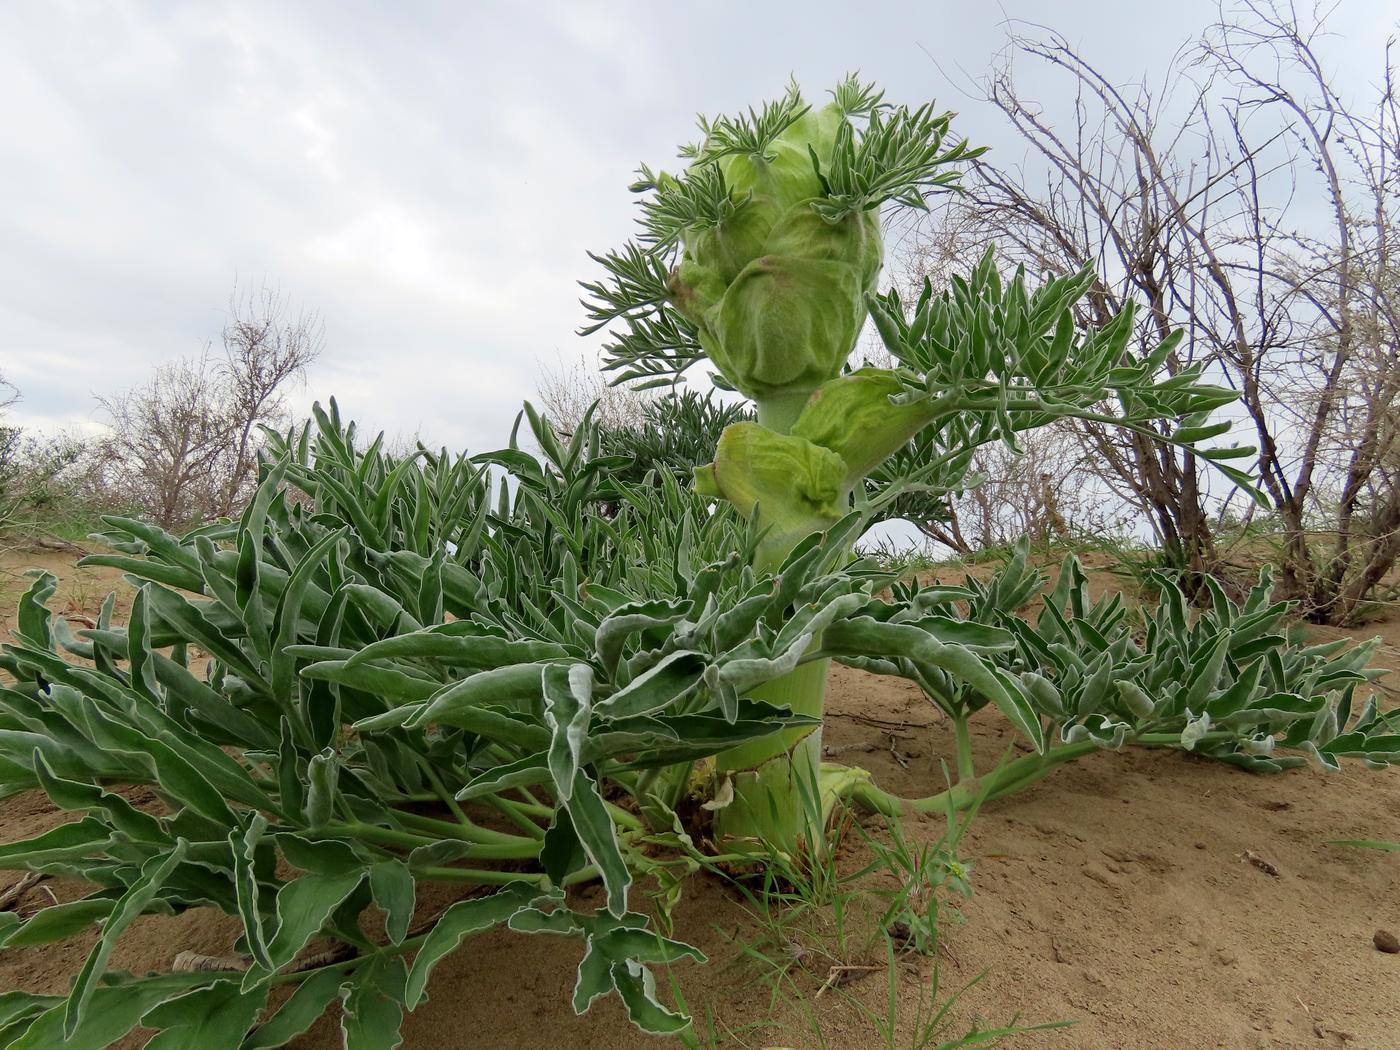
1119 893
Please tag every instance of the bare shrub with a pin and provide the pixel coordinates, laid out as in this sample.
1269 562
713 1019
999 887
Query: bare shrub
265 347
568 390
1250 204
184 444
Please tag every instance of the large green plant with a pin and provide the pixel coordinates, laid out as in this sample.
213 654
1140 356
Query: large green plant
1086 675
443 670
508 672
761 258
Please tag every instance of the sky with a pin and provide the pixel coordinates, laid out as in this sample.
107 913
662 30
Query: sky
427 177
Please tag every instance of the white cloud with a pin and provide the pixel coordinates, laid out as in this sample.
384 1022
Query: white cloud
427 177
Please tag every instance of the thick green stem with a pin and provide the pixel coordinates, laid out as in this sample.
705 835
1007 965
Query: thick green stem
780 411
776 780
803 689
467 831
517 814
963 738
509 847
1004 780
478 876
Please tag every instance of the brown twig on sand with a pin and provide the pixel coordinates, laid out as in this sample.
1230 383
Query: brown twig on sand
193 962
904 762
839 975
11 897
1262 864
881 723
832 750
56 543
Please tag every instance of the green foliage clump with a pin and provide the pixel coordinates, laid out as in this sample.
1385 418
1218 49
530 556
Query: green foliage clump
1085 675
672 436
440 669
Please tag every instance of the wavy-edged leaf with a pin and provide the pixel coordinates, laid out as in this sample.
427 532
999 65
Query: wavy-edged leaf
457 924
132 903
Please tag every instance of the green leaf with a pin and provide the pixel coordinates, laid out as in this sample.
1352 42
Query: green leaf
32 617
110 1013
637 987
372 1005
671 679
459 650
322 776
863 636
523 772
626 620
743 673
57 922
192 625
243 842
392 885
141 673
383 682
125 818
979 637
287 620
517 687
598 834
1205 670
212 708
133 903
298 1013
67 842
177 776
616 959
1196 728
17 1008
1135 699
457 924
568 694
304 906
211 1018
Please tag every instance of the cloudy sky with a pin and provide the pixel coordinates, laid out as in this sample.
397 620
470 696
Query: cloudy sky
427 177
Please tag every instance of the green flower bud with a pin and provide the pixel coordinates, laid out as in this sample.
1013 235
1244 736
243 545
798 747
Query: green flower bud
694 289
792 486
732 245
854 417
785 323
854 240
817 128
777 292
777 180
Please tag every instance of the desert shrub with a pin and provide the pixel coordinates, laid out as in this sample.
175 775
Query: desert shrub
55 487
184 444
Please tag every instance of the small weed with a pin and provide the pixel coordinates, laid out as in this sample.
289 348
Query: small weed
932 1017
921 873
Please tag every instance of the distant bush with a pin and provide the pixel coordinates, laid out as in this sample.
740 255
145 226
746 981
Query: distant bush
56 485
